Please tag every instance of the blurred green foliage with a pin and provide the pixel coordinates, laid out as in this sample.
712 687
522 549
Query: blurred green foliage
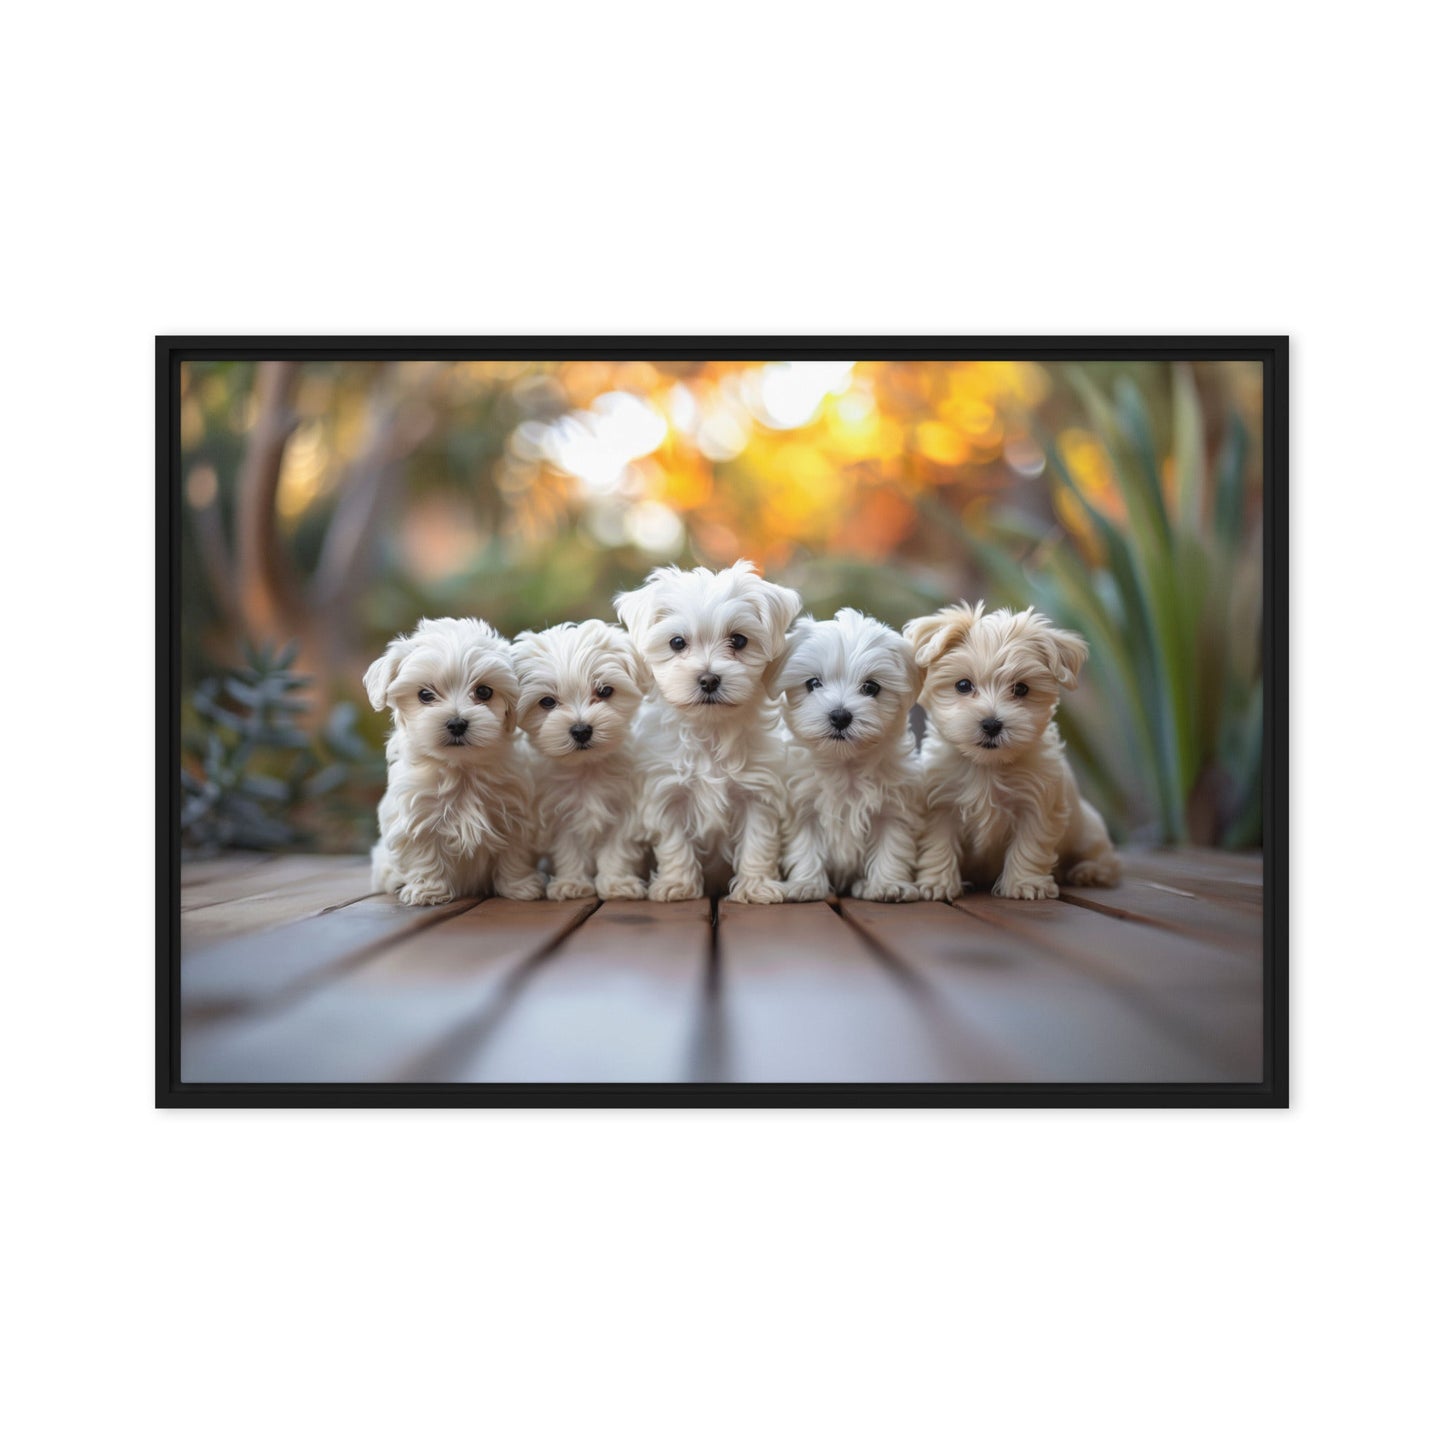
1169 597
251 770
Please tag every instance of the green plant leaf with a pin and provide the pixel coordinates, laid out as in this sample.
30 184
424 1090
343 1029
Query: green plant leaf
1229 485
1189 460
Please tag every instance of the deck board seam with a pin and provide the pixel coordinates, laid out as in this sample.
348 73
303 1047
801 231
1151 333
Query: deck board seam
1122 914
707 1051
923 991
467 1038
343 963
1078 964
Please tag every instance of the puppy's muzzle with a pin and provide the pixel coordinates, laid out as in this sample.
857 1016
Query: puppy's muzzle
457 727
841 719
581 734
990 727
709 682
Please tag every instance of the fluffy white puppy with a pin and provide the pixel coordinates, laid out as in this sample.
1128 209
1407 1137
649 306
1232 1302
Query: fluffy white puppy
1004 810
853 785
457 818
580 685
709 737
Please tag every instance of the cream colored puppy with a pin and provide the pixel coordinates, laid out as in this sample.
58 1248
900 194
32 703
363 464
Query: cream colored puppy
581 684
709 737
457 817
853 784
1003 809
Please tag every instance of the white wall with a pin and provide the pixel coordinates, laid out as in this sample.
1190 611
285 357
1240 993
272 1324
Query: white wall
755 168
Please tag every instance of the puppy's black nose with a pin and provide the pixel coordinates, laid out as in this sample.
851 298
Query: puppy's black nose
457 726
709 682
840 717
992 726
582 732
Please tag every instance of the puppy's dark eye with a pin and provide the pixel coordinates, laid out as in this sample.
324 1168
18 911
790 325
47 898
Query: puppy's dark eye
869 688
964 685
737 642
426 694
546 703
604 691
678 643
1021 689
813 684
481 692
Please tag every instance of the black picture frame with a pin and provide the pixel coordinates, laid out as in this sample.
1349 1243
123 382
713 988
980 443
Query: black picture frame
1272 1090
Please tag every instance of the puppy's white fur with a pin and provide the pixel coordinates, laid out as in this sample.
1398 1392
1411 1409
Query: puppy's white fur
581 684
711 795
1003 809
457 816
853 783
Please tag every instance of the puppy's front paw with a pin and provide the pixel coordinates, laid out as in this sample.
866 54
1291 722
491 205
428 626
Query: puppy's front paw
674 890
620 886
560 890
757 890
1096 872
940 889
524 889
1026 887
805 890
425 893
885 890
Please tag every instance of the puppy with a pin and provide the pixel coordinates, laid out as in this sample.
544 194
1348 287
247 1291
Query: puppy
580 685
709 737
457 817
853 785
1003 807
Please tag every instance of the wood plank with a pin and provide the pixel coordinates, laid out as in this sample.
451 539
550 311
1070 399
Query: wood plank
225 865
255 971
619 1001
1206 995
805 998
276 872
301 895
1247 867
398 1012
1141 901
1034 1020
1169 871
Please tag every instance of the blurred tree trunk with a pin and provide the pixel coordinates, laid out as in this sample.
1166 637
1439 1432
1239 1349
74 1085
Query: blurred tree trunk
399 419
265 588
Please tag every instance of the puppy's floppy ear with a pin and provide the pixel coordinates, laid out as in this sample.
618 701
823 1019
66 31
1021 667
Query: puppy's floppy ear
631 659
940 632
777 606
524 649
382 673
1064 652
636 610
914 674
510 690
773 673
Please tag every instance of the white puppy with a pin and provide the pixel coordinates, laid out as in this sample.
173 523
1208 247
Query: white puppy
457 816
580 684
1003 807
853 784
710 740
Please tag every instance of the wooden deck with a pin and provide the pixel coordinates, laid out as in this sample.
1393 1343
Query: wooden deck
293 972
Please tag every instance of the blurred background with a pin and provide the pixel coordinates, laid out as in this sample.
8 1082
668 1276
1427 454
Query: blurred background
328 506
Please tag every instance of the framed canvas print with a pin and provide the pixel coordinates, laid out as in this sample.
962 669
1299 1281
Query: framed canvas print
731 721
